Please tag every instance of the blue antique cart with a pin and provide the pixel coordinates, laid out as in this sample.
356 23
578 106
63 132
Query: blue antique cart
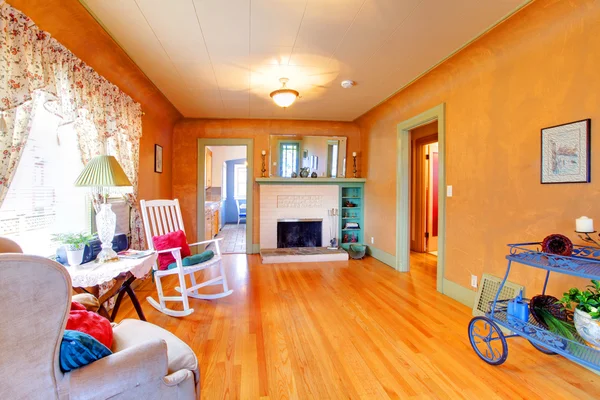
489 341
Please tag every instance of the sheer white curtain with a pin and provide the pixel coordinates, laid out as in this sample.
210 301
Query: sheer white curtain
41 199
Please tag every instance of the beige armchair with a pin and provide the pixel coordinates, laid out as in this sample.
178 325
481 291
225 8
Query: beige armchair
147 361
89 301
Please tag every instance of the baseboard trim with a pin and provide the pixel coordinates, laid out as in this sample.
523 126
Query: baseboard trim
458 293
255 249
382 256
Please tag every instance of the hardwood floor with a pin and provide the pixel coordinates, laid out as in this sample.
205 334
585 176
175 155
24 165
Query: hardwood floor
355 329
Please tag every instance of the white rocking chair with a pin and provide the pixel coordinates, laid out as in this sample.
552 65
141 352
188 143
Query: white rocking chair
164 216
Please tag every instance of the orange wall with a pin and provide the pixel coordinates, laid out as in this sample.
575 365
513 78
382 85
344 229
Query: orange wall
185 164
537 69
70 23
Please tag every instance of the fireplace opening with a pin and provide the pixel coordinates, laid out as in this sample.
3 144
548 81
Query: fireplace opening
299 233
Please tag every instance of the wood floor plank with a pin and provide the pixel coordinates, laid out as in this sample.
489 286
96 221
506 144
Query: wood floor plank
350 330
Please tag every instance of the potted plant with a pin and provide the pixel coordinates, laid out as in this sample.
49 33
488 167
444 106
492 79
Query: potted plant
74 245
587 312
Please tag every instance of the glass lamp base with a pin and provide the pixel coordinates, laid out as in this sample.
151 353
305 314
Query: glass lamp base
106 222
106 255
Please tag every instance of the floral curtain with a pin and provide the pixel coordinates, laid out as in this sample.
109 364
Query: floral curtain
106 119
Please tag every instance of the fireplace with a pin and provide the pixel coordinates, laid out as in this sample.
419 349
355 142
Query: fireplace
292 232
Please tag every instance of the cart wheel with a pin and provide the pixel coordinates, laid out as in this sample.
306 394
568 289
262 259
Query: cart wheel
488 341
543 349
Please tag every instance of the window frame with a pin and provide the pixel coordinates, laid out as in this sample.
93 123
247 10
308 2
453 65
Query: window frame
236 184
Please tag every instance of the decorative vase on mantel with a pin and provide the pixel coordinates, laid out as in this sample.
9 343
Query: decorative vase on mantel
304 172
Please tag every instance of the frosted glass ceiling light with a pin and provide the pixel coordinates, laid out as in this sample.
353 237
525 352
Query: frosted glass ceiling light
284 97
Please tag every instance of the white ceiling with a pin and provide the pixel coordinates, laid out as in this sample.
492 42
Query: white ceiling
222 58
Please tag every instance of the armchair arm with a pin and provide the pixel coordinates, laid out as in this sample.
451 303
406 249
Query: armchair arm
173 250
178 376
205 241
121 371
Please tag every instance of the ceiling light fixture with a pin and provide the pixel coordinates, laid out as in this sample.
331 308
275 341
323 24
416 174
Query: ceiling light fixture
284 97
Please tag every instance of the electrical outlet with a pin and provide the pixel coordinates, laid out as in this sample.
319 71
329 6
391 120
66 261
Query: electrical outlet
372 240
449 191
474 281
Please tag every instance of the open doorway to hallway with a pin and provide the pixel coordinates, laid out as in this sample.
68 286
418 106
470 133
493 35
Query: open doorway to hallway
226 178
424 192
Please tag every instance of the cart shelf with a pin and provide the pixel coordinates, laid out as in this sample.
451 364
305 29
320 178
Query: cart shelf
584 263
576 350
488 340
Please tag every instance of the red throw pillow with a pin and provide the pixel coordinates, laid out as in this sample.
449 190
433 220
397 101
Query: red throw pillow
91 323
170 241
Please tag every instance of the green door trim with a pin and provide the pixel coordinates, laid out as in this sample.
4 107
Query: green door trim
403 190
249 143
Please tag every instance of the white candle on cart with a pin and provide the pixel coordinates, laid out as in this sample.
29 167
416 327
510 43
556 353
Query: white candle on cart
584 225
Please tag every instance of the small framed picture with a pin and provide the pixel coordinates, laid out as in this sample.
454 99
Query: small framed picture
158 158
566 153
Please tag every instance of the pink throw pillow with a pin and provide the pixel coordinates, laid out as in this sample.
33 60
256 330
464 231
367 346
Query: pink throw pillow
170 241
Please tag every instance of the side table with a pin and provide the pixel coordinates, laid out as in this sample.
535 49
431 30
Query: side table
86 278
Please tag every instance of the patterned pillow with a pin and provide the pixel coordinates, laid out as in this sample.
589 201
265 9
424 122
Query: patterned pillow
79 349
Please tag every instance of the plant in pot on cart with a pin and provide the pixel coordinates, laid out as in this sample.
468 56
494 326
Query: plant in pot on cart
587 311
74 244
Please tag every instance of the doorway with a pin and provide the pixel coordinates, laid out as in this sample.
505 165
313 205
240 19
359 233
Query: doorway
424 189
225 193
407 233
424 198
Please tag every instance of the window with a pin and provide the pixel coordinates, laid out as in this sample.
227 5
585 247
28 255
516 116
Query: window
224 181
288 154
42 199
240 178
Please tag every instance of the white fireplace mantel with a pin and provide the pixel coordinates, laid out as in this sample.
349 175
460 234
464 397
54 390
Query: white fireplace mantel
308 181
296 199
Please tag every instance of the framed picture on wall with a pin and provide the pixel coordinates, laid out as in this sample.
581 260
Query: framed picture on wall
566 153
158 158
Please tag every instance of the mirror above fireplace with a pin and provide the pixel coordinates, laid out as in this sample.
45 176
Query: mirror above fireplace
323 155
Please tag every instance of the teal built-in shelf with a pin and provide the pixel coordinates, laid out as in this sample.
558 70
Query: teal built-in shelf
353 192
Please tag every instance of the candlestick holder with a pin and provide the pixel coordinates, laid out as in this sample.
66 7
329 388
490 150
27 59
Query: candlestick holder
354 167
263 170
587 238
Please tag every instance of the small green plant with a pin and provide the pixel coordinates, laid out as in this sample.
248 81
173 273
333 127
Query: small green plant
73 241
587 301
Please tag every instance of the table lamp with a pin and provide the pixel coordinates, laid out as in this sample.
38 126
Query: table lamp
104 175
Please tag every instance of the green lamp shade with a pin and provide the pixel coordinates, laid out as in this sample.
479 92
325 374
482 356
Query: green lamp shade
103 171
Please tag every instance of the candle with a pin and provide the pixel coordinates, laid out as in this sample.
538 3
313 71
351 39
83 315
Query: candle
584 225
264 152
354 154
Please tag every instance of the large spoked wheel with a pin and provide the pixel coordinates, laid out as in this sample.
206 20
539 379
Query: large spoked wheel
488 341
543 349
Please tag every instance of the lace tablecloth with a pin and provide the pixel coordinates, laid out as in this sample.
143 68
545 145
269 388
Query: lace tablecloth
92 274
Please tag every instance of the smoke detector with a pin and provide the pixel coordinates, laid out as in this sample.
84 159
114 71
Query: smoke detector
347 84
